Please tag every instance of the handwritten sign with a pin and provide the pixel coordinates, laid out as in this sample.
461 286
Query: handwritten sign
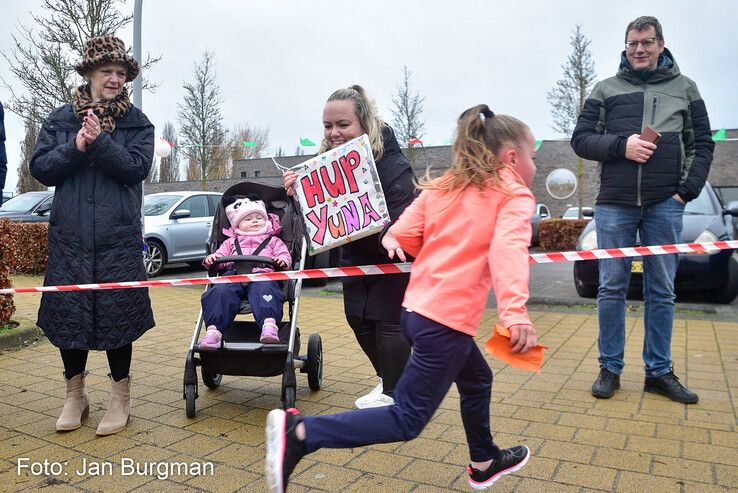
340 196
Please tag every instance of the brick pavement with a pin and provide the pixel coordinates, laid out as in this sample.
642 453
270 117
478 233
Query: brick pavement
632 442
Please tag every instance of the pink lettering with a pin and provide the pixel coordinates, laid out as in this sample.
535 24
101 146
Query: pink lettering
312 189
321 223
349 163
369 212
337 186
352 217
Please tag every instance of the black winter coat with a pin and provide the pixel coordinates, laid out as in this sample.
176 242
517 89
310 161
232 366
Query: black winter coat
380 297
94 230
623 105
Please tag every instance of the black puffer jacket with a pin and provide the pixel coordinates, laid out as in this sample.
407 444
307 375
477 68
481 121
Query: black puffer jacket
94 230
380 297
622 106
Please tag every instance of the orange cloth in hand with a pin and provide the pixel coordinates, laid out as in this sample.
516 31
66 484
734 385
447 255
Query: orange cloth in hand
499 347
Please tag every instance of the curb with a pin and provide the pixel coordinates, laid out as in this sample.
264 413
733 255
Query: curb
20 336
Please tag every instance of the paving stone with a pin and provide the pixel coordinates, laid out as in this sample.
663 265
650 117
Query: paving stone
632 442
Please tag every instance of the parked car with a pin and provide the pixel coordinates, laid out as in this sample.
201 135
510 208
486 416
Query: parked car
28 207
714 275
6 196
177 225
542 213
573 213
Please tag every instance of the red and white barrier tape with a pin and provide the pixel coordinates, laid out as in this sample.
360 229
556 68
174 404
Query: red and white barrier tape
372 270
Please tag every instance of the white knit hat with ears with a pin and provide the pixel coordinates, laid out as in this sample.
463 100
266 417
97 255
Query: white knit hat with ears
240 209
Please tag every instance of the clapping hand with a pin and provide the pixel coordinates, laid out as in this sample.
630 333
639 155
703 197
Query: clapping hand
90 127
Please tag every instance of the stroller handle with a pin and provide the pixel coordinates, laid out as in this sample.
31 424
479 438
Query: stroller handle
254 259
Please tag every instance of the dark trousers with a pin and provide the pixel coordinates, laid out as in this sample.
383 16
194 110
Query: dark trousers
119 360
220 303
385 345
440 357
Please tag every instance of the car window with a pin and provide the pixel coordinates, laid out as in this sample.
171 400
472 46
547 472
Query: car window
47 202
701 205
214 200
197 205
155 205
21 203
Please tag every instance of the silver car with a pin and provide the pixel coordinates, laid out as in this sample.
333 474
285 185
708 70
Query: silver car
177 225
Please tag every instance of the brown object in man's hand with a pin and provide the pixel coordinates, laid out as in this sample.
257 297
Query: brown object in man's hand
649 134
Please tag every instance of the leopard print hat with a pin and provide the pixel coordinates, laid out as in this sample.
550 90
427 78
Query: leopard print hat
106 49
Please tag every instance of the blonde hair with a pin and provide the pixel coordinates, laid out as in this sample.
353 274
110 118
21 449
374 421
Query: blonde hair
480 137
366 112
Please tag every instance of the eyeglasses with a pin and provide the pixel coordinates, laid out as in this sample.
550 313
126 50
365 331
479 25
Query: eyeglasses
647 43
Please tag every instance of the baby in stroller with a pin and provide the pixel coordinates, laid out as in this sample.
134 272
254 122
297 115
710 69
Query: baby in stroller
253 231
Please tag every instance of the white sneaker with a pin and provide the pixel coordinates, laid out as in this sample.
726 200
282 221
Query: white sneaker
370 397
381 400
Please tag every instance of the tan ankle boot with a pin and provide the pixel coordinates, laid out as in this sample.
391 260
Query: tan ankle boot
76 406
119 408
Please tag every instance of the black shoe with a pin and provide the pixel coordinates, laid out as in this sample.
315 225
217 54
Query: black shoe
283 449
510 460
669 386
606 384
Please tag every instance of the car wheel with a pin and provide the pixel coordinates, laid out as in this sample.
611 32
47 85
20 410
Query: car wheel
729 290
155 258
585 290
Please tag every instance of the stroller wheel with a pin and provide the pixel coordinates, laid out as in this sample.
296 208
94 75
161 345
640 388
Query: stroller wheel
314 362
288 397
209 378
190 392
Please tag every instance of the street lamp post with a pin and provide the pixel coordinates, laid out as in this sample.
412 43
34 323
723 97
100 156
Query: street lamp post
137 51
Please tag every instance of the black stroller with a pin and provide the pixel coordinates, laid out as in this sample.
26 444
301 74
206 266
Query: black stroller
242 353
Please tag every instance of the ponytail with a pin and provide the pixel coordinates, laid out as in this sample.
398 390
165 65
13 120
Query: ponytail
480 137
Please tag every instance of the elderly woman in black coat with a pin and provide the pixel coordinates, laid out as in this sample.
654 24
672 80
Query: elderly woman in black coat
96 151
372 304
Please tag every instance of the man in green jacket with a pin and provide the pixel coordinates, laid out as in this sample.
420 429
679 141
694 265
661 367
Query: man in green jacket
643 189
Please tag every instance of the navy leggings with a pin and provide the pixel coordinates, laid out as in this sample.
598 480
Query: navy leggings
440 357
220 303
119 361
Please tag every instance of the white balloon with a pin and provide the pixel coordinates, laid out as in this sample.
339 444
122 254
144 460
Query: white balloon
162 148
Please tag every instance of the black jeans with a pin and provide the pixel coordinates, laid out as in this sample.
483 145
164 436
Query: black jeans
385 345
119 360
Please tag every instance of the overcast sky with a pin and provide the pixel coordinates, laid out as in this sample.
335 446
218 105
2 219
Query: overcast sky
278 60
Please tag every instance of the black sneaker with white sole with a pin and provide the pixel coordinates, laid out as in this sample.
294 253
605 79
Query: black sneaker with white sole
283 449
510 460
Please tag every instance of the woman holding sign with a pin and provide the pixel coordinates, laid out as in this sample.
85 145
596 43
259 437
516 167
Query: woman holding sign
372 303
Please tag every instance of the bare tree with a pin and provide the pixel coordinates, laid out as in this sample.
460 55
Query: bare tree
569 93
407 113
200 120
169 166
26 182
192 171
246 142
43 55
153 175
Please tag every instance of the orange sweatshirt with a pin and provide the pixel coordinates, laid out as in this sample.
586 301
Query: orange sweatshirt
463 243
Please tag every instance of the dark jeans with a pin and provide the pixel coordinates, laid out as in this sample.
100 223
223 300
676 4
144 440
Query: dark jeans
440 357
385 345
221 303
119 360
